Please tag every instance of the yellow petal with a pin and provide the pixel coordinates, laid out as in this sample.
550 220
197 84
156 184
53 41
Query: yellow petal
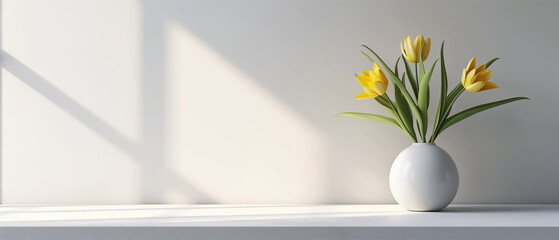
470 77
417 44
380 74
418 40
376 68
383 78
409 58
484 76
464 77
475 87
363 80
471 65
379 87
366 73
364 95
403 50
481 68
488 86
369 90
426 49
410 50
405 54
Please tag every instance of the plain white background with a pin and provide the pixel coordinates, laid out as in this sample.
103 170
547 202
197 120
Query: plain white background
141 101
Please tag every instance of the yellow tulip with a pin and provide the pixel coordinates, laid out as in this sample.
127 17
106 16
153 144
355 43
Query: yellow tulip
374 83
477 79
411 50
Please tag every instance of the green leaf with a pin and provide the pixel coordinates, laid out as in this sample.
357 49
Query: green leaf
398 83
370 59
491 62
411 78
396 67
420 60
471 111
451 98
383 101
372 117
404 109
398 119
449 102
442 100
423 99
394 116
428 95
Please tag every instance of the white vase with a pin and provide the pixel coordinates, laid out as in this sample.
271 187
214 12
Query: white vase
423 178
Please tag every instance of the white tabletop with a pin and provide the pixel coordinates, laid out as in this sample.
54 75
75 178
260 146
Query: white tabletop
277 215
377 217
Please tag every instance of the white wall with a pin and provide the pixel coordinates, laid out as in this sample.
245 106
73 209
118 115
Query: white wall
144 101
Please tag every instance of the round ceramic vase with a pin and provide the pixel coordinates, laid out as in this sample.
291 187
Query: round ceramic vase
423 178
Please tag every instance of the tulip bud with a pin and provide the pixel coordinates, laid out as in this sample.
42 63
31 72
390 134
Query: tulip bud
477 79
374 83
411 50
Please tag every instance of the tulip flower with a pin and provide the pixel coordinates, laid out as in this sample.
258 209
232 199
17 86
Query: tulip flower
374 83
411 50
477 79
406 110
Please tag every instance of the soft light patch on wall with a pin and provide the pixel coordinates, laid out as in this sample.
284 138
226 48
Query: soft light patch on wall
231 137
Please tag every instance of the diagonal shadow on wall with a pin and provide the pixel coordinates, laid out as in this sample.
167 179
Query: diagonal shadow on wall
230 39
150 152
247 40
151 159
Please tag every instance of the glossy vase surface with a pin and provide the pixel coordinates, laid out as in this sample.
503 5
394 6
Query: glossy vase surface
424 178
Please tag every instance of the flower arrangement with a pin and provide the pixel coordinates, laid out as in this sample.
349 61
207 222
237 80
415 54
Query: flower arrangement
405 107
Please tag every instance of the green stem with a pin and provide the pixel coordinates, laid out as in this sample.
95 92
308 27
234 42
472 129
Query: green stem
400 121
445 115
416 79
417 99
